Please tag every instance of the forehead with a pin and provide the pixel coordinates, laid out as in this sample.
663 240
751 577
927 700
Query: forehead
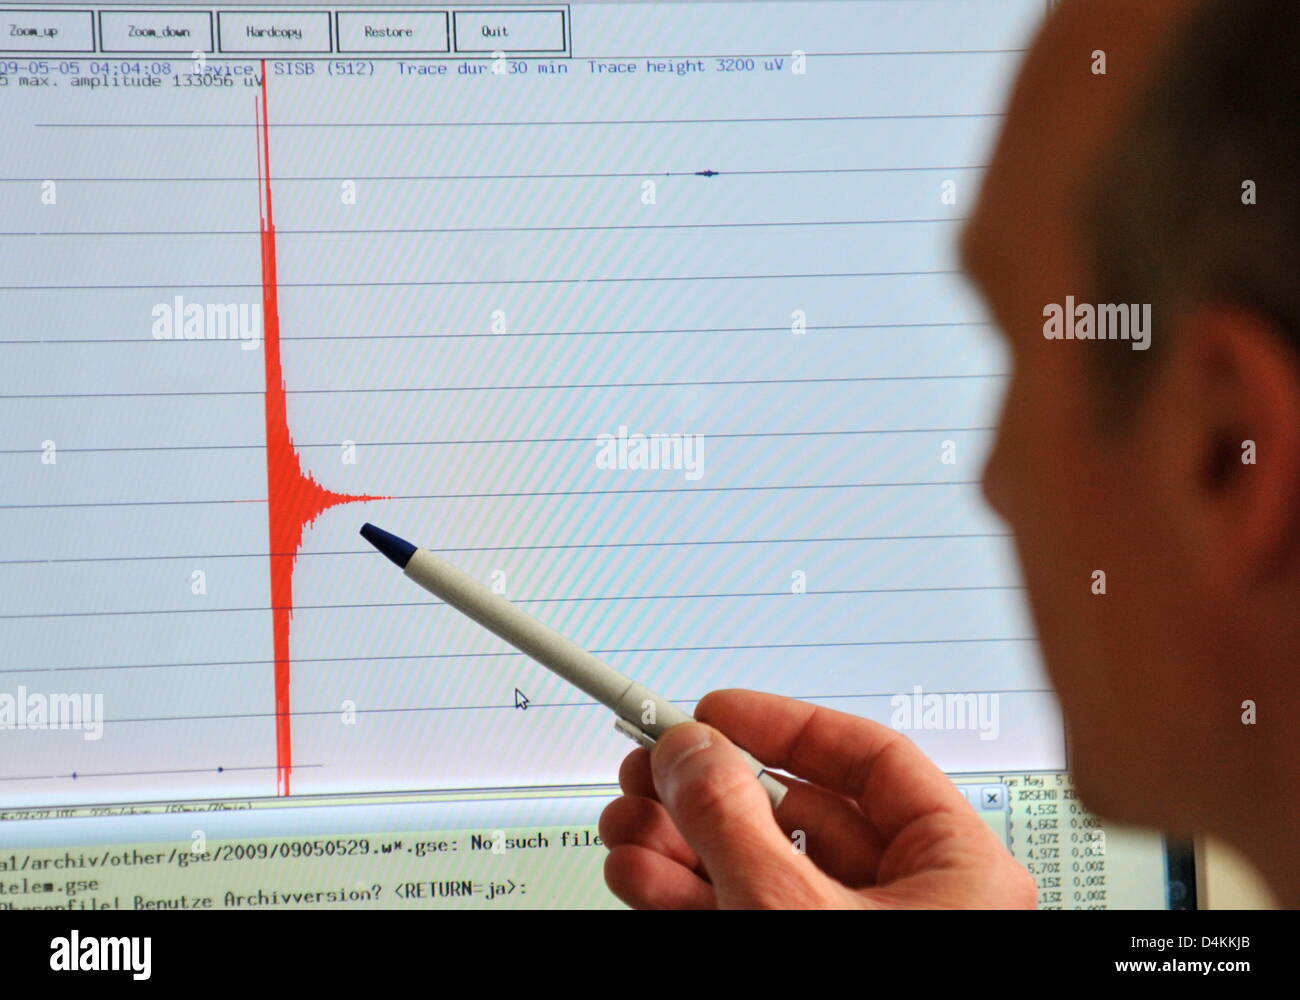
1089 62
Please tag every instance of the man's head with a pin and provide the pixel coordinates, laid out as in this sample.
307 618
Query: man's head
1155 494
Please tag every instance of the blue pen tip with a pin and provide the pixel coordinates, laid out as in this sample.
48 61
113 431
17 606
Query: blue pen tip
399 550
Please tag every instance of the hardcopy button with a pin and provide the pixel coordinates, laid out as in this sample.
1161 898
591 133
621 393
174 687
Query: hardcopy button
269 31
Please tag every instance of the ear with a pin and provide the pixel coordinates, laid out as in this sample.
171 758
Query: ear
1232 418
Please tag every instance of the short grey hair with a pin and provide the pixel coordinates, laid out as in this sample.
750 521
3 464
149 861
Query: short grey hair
1165 219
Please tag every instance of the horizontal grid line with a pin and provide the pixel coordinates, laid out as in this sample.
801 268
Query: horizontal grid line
590 175
329 712
512 653
427 231
79 775
540 493
474 282
262 609
585 439
553 123
539 333
517 388
516 548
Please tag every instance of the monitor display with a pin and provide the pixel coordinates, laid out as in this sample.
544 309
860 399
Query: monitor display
646 315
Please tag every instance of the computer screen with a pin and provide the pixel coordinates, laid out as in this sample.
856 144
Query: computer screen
646 315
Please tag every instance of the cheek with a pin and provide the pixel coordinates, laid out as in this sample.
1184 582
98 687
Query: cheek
1043 473
1070 505
1045 478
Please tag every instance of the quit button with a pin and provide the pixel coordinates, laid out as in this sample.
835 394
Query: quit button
531 32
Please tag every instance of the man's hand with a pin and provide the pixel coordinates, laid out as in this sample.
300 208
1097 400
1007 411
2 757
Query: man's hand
883 827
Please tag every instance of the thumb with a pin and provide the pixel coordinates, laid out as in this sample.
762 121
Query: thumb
726 817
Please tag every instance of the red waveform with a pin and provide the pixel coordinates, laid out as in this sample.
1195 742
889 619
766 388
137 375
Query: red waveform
294 498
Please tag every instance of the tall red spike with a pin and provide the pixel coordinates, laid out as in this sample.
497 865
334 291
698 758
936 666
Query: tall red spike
294 498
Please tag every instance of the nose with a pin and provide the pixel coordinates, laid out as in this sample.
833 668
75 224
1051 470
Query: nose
993 482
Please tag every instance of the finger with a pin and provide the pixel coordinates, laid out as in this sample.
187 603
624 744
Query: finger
646 880
645 823
888 776
985 884
833 832
725 815
634 775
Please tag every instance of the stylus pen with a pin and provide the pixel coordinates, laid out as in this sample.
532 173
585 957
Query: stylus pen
643 716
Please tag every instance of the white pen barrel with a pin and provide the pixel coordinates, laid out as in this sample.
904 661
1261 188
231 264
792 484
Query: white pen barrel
518 628
629 700
647 711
